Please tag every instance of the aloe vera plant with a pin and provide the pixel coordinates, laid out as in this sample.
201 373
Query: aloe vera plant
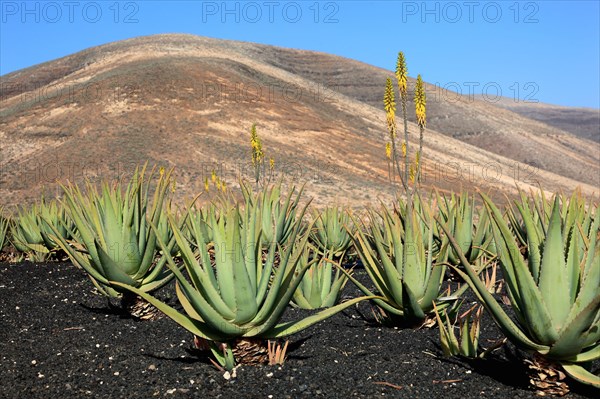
333 231
322 283
554 293
422 209
572 213
402 270
114 240
474 237
34 227
467 343
278 219
240 295
4 224
202 217
26 235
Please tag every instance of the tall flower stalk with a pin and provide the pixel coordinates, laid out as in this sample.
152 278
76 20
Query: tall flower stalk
408 172
258 154
411 173
389 105
402 77
420 110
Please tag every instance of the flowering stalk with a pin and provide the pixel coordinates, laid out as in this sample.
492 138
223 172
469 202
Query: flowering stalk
257 152
420 110
389 104
402 77
388 155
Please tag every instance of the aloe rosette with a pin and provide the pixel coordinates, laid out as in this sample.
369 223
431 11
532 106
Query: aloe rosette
554 293
401 268
34 227
474 237
322 283
114 241
278 218
333 231
240 295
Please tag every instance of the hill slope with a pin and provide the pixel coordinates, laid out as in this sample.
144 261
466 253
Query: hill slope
582 122
189 102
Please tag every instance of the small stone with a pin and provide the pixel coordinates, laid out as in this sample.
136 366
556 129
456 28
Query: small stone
270 374
227 375
116 373
33 362
152 367
171 391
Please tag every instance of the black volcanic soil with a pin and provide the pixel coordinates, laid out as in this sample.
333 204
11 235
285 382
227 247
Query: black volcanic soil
58 339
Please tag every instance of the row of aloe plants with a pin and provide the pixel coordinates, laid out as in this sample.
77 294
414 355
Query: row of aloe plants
129 244
29 230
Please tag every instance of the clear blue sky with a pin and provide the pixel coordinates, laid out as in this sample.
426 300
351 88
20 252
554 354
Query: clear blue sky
527 50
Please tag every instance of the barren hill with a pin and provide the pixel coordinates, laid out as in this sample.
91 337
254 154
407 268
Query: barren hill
189 102
582 122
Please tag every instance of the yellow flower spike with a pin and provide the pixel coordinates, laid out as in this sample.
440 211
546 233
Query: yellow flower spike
391 126
162 171
173 186
255 143
401 73
213 176
258 154
388 150
420 102
404 150
389 104
271 163
412 173
206 184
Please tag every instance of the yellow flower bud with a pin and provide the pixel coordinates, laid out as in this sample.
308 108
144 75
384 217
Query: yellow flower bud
389 102
401 73
256 144
420 102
